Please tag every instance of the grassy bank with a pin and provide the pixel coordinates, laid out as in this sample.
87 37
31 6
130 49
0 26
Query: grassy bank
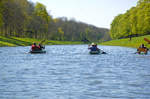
15 41
135 42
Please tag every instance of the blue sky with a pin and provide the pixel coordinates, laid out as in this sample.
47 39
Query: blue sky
96 12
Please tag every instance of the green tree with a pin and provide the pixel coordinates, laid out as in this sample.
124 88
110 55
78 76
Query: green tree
135 22
60 31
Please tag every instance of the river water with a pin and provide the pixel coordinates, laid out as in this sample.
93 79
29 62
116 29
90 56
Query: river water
70 72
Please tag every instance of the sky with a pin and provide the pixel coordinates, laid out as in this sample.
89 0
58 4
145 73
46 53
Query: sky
95 12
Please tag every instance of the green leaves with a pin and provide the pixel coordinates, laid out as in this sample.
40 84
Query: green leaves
21 18
40 10
1 13
135 21
1 19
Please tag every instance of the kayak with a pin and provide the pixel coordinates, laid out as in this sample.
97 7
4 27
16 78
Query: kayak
38 51
141 53
97 52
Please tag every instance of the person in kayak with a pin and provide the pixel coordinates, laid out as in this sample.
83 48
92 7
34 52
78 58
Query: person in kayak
142 48
41 47
34 47
93 47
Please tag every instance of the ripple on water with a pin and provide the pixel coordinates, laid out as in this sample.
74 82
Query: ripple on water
70 72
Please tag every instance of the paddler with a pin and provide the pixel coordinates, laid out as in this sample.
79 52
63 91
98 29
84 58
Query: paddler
93 47
34 47
142 48
41 47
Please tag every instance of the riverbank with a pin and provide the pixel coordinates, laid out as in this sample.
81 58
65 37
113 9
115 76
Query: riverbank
15 41
135 42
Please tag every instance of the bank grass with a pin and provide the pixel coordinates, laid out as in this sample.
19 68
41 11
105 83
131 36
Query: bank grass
6 44
12 41
17 41
135 42
26 41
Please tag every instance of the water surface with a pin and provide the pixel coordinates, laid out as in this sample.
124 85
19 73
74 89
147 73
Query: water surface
70 72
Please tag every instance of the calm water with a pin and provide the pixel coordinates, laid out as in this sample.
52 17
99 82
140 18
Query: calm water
70 72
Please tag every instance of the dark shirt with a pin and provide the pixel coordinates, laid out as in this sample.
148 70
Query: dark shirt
93 48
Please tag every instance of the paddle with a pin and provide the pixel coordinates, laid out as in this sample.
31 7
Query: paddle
147 40
102 51
42 43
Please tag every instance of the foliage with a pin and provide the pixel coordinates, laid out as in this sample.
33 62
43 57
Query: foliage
21 18
135 22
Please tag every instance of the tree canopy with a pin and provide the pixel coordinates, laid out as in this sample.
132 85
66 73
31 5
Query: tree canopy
22 18
135 22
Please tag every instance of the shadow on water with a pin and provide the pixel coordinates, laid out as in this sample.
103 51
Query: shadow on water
70 72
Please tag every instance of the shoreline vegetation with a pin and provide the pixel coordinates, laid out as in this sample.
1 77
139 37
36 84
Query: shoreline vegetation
25 19
133 24
126 42
33 21
16 41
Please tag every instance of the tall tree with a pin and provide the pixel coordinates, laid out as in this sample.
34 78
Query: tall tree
135 22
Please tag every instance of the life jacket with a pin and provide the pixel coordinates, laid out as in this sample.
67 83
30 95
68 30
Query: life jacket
34 47
142 50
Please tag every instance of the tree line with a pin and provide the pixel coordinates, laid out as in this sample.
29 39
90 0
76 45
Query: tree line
135 22
22 18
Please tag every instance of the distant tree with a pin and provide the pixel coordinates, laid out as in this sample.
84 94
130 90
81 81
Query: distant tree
60 31
22 18
1 13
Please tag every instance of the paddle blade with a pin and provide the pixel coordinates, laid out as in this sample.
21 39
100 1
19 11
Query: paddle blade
42 41
147 40
104 53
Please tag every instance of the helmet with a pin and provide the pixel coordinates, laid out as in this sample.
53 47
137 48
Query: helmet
92 44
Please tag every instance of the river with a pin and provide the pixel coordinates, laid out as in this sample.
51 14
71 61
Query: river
70 72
